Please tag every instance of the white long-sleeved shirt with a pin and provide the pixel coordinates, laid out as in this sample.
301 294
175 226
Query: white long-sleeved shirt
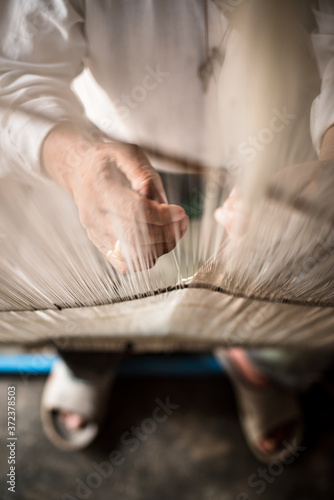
322 113
145 57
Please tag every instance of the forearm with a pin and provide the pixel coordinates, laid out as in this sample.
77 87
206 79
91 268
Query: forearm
327 147
36 72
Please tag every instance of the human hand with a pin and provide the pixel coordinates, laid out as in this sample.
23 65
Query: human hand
232 215
302 177
119 197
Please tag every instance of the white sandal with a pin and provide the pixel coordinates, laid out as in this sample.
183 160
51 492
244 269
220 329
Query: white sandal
65 392
264 409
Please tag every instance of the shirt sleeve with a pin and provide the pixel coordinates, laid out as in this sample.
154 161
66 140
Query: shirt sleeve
42 46
322 112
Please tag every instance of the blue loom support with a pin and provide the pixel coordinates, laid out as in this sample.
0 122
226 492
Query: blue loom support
145 365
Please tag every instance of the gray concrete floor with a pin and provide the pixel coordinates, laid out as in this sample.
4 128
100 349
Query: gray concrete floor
196 453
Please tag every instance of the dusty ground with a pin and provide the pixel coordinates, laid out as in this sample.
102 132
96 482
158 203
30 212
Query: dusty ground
196 452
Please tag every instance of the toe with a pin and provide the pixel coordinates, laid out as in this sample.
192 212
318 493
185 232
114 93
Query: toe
273 442
72 421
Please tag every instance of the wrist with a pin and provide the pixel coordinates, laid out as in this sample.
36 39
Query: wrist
64 151
327 146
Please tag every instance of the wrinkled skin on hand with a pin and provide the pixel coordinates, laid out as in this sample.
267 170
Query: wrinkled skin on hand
233 216
119 196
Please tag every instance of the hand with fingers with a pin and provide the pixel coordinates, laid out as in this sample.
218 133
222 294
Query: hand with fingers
120 197
303 177
232 214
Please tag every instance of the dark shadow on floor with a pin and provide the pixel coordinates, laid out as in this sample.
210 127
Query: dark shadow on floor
191 448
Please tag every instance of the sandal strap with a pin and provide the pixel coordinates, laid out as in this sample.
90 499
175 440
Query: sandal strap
64 391
261 409
264 409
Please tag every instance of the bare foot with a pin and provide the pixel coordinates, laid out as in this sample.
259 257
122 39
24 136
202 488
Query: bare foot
248 370
72 421
273 441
